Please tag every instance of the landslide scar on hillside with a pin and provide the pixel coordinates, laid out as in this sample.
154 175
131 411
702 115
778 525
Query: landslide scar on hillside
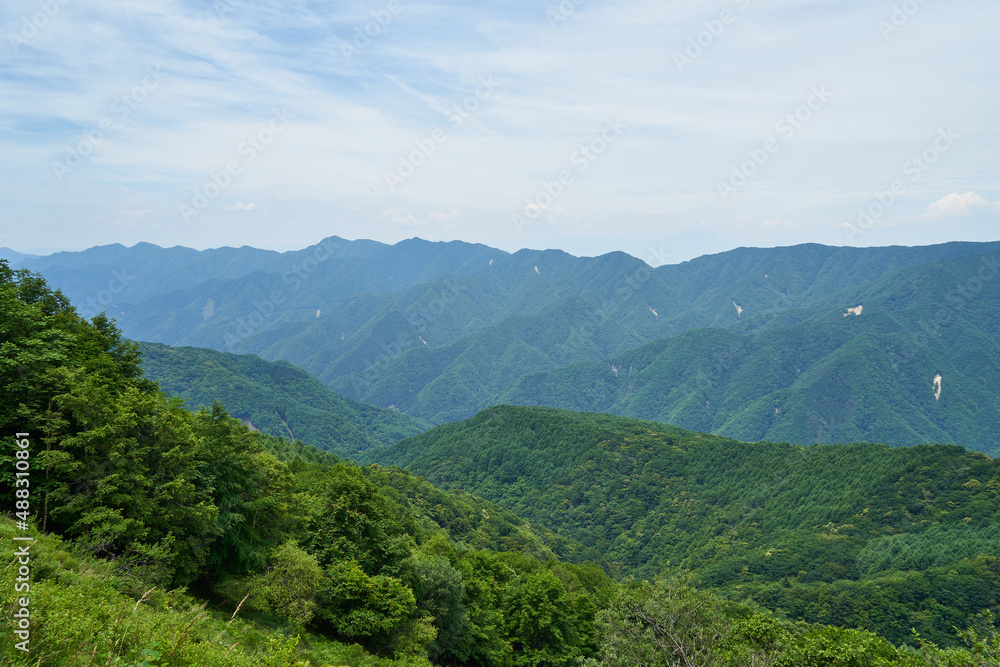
856 311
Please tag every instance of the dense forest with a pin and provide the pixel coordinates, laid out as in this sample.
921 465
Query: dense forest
887 539
275 398
164 536
135 497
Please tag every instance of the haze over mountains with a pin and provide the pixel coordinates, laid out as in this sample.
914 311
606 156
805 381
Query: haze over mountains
752 343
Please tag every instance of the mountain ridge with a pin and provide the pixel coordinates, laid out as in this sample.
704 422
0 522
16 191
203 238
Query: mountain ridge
442 330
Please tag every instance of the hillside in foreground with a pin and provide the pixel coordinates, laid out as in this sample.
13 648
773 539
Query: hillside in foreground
861 535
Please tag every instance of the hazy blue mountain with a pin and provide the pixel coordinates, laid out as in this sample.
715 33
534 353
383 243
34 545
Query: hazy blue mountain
14 258
753 343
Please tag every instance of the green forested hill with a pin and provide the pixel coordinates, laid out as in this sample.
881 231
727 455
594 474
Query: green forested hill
861 535
275 398
138 515
839 380
815 375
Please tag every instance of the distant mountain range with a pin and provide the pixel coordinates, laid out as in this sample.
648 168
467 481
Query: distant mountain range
802 344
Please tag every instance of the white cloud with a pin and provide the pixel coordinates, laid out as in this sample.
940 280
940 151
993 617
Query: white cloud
441 216
957 205
240 206
136 219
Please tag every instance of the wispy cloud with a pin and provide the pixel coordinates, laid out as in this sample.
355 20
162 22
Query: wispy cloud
226 65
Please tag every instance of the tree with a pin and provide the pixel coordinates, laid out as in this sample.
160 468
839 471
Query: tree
288 588
439 590
133 489
380 611
353 522
540 621
250 488
664 624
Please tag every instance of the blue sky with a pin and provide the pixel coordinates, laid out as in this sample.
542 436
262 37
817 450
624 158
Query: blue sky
665 129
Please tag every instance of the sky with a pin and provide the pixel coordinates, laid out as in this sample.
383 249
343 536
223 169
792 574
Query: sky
667 129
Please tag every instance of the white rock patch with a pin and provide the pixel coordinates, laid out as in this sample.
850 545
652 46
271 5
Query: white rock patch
856 311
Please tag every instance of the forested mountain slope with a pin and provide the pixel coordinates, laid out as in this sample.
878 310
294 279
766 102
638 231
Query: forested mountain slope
767 279
275 398
861 535
807 344
141 513
919 364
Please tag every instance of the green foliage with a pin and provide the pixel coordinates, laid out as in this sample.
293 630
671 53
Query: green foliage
935 602
135 481
835 647
471 521
276 398
440 592
120 466
984 643
353 521
288 588
295 451
80 617
670 623
807 530
357 605
545 625
250 488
